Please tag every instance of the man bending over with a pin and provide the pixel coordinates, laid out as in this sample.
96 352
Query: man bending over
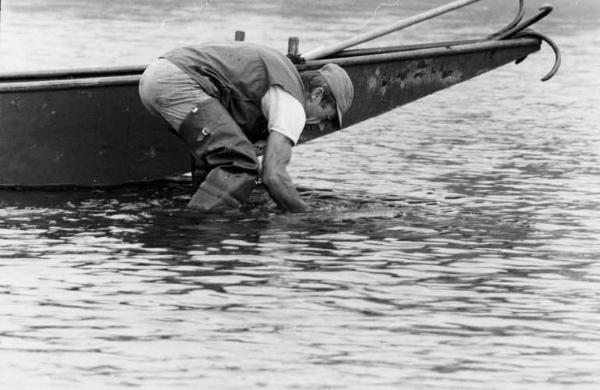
221 98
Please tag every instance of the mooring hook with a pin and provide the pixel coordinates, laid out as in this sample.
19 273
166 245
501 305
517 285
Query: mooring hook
511 25
545 10
551 43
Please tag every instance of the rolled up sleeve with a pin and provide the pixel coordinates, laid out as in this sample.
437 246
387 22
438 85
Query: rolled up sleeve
284 113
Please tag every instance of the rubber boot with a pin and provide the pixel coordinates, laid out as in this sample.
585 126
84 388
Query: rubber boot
222 190
222 149
198 174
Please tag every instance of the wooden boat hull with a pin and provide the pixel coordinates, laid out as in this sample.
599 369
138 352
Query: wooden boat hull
89 136
387 80
89 128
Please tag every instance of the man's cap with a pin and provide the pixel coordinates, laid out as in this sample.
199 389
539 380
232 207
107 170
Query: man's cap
341 87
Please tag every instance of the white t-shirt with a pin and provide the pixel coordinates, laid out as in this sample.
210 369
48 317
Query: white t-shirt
284 113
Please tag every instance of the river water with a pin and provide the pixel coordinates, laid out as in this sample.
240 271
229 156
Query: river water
452 243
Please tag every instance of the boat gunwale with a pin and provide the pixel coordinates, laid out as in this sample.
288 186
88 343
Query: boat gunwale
68 74
102 77
443 51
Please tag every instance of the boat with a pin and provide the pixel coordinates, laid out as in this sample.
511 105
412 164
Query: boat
87 127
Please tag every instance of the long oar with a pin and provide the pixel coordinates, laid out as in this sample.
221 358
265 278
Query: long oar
321 52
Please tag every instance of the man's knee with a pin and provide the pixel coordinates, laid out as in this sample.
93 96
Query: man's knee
215 139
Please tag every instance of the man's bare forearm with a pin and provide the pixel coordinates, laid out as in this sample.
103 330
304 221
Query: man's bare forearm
283 191
275 176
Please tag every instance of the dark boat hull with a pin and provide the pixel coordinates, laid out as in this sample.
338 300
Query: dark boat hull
88 127
387 80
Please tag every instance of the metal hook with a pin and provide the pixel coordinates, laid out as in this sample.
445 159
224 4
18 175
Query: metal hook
511 25
545 10
551 43
521 31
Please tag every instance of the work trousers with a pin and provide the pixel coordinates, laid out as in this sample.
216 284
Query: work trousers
220 148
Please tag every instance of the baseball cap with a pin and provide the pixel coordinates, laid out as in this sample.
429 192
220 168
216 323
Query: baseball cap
341 87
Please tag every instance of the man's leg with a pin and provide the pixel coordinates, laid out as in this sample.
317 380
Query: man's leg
224 161
221 148
170 94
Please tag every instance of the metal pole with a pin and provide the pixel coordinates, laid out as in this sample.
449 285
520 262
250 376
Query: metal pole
376 33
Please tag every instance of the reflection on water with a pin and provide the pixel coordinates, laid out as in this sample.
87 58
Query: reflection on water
451 244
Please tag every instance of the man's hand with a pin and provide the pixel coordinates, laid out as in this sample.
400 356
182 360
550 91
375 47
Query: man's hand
278 153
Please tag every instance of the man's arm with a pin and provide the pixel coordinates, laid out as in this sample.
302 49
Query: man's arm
278 153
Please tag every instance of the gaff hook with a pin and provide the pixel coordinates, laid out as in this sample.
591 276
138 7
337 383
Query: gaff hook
551 43
511 25
521 31
545 10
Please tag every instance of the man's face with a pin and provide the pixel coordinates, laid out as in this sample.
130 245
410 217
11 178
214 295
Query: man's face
315 112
